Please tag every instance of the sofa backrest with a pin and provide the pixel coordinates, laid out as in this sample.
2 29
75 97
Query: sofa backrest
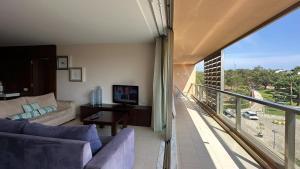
78 132
11 107
43 100
19 151
11 126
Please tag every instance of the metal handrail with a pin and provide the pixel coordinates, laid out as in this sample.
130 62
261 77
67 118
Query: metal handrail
263 102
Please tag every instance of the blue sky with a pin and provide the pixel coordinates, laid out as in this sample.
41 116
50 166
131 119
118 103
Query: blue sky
276 46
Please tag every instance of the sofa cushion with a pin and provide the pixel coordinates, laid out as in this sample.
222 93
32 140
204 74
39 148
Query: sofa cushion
49 117
56 118
81 132
11 107
11 126
43 100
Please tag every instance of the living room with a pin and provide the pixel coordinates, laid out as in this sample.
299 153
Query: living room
60 63
106 65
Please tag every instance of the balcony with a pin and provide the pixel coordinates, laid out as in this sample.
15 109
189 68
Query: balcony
203 143
209 135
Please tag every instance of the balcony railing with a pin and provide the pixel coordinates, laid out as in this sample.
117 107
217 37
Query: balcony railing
270 139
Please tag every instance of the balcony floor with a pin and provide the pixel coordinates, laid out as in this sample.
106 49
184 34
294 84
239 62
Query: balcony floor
203 143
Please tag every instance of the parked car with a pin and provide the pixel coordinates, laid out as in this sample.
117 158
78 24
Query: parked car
229 113
250 115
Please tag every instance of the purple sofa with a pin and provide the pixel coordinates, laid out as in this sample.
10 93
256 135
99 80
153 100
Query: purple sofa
21 151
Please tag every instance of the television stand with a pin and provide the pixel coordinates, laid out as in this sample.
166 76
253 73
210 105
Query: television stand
138 115
125 105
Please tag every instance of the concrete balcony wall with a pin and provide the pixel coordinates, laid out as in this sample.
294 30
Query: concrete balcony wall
184 75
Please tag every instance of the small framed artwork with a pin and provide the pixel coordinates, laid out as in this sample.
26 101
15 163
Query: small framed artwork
75 74
62 63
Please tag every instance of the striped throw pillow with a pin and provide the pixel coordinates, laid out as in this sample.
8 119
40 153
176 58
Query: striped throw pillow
35 106
47 109
35 113
30 107
26 115
30 111
42 111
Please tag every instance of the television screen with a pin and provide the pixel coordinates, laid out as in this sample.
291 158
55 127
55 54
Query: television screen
126 94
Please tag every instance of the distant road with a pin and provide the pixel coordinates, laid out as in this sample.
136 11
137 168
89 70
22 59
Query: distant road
250 127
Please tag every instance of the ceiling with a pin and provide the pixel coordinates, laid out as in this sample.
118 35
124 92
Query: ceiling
202 27
64 22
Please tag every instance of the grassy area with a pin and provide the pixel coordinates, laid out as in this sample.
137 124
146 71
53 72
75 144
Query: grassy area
298 162
268 95
233 106
274 111
230 104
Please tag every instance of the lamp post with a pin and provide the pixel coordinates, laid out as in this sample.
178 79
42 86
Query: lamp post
274 136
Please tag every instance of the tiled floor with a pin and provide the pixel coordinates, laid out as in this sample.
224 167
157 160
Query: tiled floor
203 144
147 145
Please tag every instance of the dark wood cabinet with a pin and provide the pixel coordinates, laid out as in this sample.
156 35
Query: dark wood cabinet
138 115
29 70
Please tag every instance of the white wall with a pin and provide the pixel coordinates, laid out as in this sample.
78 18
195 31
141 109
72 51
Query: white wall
105 65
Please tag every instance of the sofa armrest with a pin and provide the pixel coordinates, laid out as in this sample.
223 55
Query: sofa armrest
118 153
20 151
65 104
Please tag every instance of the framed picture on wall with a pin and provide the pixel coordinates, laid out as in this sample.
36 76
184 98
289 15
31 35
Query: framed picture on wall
62 63
75 74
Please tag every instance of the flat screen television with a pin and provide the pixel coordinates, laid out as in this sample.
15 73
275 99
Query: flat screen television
124 94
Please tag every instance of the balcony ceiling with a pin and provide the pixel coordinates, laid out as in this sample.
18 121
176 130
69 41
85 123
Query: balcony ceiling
203 26
37 22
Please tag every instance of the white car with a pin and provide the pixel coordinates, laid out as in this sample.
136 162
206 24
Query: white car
250 115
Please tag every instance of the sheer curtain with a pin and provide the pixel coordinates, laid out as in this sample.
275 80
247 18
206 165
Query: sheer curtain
158 120
161 85
163 105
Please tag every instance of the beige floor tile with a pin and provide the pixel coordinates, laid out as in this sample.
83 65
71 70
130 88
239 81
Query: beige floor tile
147 144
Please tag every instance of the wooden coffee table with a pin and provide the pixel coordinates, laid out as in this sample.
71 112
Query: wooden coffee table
110 118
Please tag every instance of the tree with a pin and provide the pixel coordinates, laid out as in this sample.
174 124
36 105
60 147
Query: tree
291 79
298 91
263 77
199 77
266 78
296 72
229 81
287 85
236 78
